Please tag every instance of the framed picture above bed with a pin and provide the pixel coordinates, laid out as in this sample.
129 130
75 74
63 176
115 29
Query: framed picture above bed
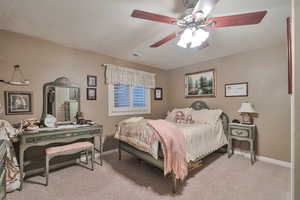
236 90
200 84
18 103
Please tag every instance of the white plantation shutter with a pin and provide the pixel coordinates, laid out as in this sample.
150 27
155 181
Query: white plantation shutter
138 96
127 100
121 95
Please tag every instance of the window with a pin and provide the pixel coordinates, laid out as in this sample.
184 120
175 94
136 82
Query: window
128 100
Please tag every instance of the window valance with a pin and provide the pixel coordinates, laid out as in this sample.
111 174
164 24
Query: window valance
116 74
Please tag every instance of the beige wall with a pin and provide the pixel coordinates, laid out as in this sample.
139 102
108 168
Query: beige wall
43 61
265 70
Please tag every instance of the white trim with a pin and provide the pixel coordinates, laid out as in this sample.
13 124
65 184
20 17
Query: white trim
264 159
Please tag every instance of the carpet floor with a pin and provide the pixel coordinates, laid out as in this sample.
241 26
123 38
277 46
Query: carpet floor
220 179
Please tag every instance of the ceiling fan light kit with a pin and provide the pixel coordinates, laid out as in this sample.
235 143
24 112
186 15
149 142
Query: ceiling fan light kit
192 38
194 25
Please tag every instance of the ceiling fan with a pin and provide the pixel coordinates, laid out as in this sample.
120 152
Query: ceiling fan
195 24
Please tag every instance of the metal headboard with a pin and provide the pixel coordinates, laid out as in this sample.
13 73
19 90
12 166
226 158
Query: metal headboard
200 105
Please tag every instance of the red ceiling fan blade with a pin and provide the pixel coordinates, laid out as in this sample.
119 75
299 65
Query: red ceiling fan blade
236 20
164 40
153 17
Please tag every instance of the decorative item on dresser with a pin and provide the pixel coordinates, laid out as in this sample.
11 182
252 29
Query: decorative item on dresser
200 84
242 132
2 170
247 111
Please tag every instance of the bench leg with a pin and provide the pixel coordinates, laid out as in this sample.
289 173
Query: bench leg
47 170
93 158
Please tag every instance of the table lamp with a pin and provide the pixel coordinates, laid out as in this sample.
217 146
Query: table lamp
247 110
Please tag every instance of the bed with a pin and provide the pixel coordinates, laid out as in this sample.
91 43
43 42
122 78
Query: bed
198 137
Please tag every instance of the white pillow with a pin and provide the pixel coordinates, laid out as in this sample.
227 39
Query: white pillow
206 116
171 115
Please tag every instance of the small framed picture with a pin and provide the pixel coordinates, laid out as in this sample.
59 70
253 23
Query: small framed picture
158 94
91 81
236 90
91 94
18 103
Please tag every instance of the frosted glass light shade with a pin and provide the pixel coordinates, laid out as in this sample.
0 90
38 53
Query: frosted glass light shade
247 108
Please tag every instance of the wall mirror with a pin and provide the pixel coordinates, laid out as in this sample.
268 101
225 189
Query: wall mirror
61 98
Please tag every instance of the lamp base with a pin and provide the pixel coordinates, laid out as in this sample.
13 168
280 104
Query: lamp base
247 119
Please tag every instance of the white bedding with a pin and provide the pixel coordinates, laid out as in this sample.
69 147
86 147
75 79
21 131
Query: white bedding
202 139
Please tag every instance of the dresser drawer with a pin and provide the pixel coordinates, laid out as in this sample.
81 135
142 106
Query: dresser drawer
240 132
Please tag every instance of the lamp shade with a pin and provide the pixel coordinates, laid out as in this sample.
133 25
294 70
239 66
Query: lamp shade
247 108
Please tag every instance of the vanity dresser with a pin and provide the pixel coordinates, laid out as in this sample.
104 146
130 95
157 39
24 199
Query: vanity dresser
61 134
2 170
61 104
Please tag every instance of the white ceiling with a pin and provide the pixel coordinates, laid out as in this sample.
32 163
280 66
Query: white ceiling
105 26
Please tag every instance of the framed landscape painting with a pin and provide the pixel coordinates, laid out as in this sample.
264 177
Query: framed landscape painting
200 84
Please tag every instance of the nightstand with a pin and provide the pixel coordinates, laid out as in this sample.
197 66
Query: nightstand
242 132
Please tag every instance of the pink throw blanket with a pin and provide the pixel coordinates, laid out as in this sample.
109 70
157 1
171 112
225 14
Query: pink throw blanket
173 145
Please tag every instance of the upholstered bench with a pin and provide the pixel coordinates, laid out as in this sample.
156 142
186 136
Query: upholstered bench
73 148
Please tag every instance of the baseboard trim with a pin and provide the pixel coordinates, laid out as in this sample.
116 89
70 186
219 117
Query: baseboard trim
264 159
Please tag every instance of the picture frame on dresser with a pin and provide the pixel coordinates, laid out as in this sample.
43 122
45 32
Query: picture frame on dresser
18 102
236 89
200 84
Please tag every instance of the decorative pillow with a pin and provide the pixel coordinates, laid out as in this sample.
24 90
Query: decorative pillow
179 117
171 115
206 116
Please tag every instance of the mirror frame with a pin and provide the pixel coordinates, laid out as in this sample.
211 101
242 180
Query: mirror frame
62 82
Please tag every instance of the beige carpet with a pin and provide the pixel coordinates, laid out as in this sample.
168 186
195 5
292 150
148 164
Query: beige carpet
221 179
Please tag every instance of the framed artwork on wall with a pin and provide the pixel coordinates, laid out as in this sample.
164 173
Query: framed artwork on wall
158 94
18 103
91 94
91 81
236 89
200 84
